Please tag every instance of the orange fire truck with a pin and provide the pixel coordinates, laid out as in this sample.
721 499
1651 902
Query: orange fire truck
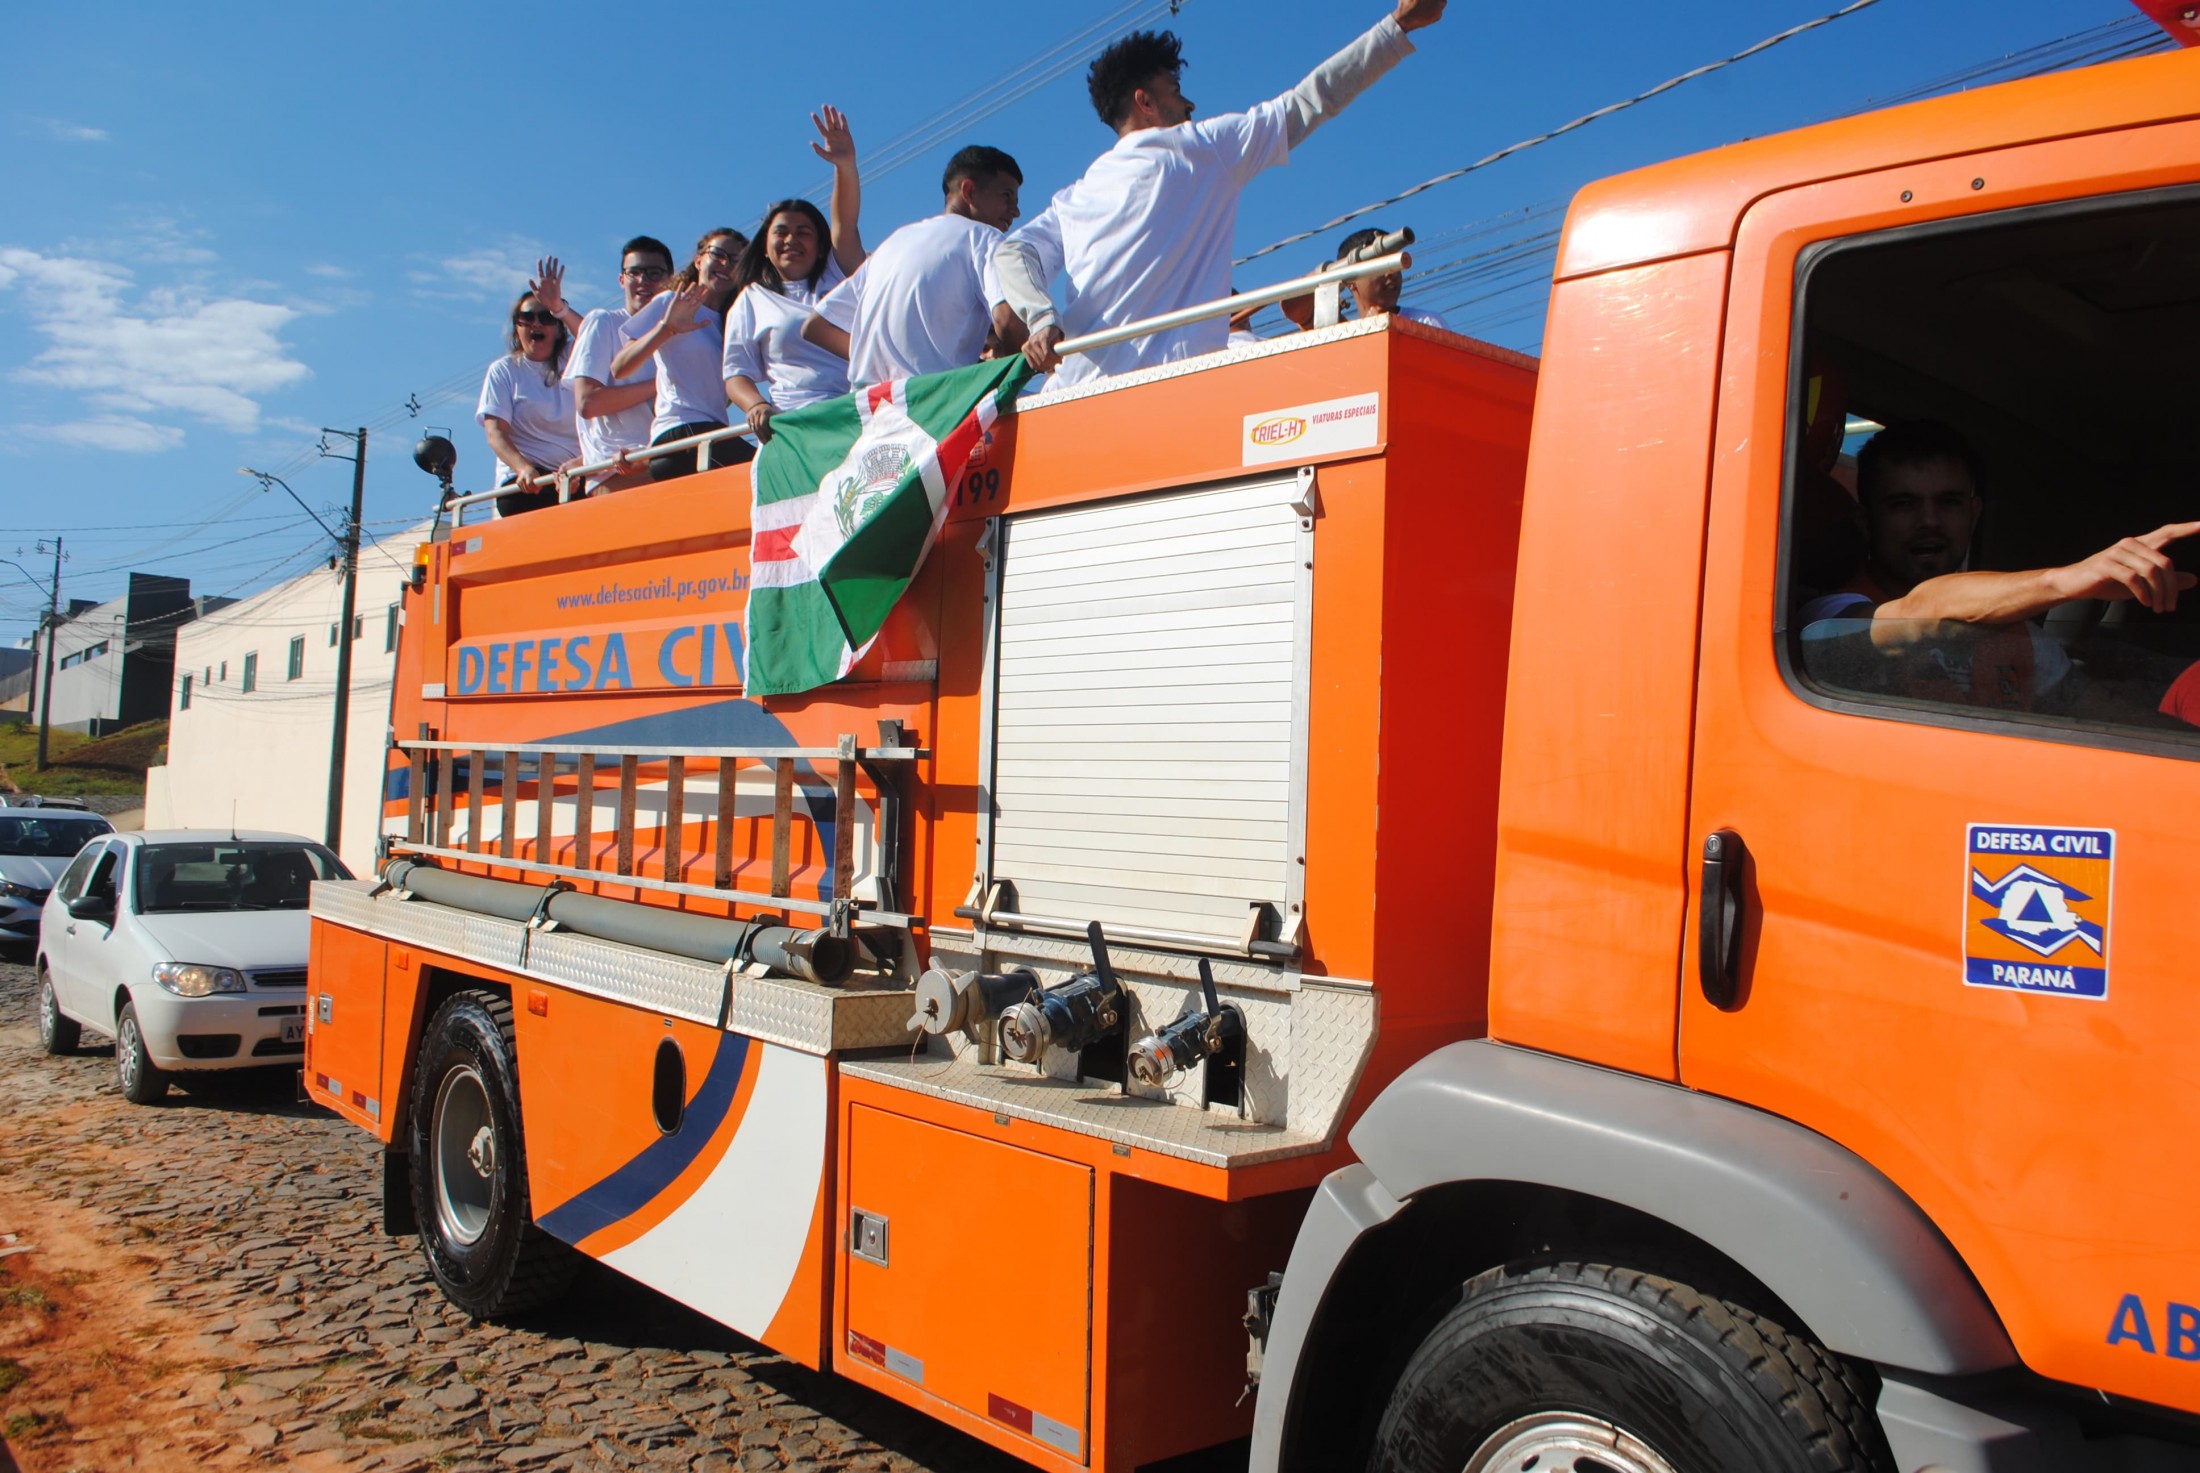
1357 840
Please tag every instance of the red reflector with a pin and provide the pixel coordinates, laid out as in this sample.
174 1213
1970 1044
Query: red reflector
358 1100
863 1347
320 1082
538 1003
1001 1409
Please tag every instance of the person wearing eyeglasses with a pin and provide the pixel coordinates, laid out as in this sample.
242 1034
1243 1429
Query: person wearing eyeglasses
612 414
526 410
683 329
797 257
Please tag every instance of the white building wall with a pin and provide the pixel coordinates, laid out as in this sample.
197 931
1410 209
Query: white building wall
262 757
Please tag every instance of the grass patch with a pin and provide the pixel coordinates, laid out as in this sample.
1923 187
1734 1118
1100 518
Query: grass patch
81 768
11 1375
23 1424
28 1296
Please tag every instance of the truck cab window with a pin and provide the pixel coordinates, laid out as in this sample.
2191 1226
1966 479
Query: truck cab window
1991 505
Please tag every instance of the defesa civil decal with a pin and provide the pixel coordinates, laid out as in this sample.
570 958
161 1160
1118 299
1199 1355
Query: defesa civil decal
2036 909
1306 430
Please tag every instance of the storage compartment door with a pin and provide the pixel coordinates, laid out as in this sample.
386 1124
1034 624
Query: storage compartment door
345 974
1149 710
970 1275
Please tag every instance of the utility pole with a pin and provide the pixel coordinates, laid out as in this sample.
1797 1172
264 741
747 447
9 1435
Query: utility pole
45 684
350 539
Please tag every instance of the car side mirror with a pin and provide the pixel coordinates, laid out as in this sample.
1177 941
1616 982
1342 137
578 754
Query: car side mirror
92 907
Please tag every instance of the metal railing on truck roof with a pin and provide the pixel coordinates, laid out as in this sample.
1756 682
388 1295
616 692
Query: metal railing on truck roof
1321 283
567 782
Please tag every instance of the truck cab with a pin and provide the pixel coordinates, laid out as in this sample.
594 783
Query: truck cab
1838 966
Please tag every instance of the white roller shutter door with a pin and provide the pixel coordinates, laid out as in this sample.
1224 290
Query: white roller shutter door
1149 709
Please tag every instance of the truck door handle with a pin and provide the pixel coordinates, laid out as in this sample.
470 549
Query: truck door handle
1719 926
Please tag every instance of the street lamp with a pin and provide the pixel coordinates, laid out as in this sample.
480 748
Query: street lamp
348 542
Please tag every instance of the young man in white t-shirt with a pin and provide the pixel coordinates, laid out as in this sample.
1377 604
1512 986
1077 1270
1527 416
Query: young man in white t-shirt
923 301
1149 227
612 414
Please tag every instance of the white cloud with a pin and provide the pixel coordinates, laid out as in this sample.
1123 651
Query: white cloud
498 273
333 273
119 433
175 349
65 132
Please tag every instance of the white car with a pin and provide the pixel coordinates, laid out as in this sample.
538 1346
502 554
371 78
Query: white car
36 840
188 947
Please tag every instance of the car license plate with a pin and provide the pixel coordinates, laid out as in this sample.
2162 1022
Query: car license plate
294 1030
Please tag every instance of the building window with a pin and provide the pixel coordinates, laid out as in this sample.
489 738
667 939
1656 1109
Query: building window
225 669
389 630
207 677
183 702
332 636
251 672
297 658
358 625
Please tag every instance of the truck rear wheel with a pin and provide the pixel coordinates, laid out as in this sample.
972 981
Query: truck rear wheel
469 1166
1584 1368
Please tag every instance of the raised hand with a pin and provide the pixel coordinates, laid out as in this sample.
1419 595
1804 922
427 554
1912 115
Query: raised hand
2135 568
839 145
685 307
548 285
1414 14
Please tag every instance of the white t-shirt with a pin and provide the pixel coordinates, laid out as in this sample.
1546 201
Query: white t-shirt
1149 230
1831 615
537 414
921 302
608 434
764 343
689 389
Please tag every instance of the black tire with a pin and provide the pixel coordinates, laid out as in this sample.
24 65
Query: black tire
143 1082
469 1166
56 1034
1533 1353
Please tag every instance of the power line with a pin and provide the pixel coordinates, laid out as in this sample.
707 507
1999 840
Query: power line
1563 129
1049 65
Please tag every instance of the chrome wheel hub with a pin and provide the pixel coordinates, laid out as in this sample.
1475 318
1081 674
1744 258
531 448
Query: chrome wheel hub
464 1164
1564 1442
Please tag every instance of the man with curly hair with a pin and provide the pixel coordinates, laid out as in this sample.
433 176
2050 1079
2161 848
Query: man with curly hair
1148 229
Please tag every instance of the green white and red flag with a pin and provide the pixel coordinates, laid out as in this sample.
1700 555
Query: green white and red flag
850 495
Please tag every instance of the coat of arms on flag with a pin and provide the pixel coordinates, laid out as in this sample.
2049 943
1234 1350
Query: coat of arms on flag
849 497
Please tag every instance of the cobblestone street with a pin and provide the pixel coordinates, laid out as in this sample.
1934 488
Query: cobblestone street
204 1284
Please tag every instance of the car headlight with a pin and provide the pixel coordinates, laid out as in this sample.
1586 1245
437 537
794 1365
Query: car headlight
9 890
188 979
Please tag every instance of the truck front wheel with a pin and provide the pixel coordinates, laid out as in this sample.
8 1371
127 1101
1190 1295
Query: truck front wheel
1584 1368
469 1169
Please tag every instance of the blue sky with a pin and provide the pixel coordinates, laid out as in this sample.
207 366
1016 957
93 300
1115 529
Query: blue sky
217 238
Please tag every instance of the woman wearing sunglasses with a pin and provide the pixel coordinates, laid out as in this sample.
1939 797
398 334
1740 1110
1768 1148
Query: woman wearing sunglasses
684 328
526 410
796 258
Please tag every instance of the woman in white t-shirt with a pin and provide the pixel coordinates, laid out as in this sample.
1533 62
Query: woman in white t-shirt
683 327
795 259
526 411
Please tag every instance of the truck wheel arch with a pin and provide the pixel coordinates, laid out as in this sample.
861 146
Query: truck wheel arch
1482 1153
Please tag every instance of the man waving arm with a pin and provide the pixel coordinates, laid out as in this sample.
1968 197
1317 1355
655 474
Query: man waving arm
1330 87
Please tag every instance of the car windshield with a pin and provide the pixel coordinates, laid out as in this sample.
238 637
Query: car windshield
49 836
231 875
